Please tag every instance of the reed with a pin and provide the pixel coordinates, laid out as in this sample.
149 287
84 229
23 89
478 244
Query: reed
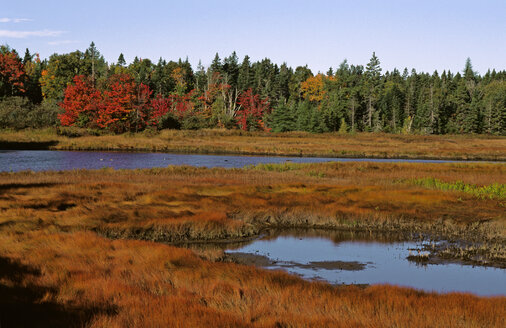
373 145
495 190
91 281
68 248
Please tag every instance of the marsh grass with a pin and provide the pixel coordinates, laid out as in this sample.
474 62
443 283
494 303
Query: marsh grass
77 230
373 145
495 190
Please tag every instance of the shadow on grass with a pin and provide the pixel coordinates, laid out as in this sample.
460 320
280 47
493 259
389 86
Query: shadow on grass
21 305
31 145
9 186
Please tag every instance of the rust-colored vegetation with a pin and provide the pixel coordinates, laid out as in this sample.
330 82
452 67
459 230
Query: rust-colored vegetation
60 253
374 145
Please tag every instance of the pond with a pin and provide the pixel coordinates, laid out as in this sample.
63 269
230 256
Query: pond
43 160
356 259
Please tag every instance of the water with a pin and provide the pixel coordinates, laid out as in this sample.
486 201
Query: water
43 160
382 262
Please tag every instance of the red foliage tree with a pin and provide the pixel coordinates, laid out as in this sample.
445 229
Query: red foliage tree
125 104
81 104
160 107
118 100
12 74
251 111
121 106
180 106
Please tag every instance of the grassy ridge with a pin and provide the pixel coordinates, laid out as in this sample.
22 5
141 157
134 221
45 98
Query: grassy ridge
55 256
372 145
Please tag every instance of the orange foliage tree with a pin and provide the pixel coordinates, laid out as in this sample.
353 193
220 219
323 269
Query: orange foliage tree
313 88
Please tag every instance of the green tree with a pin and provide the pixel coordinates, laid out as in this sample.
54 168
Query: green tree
246 75
282 119
373 74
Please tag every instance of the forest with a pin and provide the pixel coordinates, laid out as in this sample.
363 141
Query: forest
80 89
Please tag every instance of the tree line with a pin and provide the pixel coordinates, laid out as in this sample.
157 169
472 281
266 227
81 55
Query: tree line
81 89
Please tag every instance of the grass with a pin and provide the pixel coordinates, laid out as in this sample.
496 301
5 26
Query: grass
494 190
68 244
372 145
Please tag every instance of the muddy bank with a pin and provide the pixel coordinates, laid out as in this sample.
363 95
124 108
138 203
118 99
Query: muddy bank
264 261
476 244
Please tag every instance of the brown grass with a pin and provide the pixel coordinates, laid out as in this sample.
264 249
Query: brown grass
53 261
374 145
142 284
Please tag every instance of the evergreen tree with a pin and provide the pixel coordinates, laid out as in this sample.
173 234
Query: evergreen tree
373 74
304 113
231 70
216 66
246 75
200 77
283 119
121 60
28 57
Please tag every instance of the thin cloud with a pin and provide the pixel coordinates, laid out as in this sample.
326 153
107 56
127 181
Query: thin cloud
60 42
14 20
25 34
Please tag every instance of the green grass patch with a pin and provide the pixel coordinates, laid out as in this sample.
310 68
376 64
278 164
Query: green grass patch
493 191
270 167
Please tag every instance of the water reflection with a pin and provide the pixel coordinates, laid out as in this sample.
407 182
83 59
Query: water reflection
43 160
364 259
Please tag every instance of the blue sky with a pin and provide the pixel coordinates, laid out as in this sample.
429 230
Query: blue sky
425 35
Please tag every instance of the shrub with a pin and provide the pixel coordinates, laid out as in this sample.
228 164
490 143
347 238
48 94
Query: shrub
193 122
169 121
19 113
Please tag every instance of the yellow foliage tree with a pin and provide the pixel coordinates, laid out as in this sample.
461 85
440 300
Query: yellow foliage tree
313 88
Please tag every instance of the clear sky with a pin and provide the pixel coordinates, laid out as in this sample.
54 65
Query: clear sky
421 34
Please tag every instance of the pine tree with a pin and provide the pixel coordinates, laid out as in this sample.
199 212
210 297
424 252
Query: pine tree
216 66
373 74
121 60
246 75
28 57
231 70
200 77
283 119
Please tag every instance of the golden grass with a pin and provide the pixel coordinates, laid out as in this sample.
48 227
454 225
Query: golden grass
55 257
375 145
142 284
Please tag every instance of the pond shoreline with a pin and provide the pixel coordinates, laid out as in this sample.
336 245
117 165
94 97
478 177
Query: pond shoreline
177 151
235 142
462 247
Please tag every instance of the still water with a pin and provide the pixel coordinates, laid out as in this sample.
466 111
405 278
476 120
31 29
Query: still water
359 261
43 160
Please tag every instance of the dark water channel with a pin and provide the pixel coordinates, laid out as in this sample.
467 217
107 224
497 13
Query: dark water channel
364 259
44 160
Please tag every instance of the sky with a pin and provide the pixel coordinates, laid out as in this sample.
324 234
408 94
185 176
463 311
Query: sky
426 35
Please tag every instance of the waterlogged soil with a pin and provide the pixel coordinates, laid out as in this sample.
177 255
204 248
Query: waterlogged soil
364 258
264 261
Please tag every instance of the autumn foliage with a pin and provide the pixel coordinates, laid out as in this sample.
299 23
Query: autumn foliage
82 103
12 75
314 87
252 110
120 104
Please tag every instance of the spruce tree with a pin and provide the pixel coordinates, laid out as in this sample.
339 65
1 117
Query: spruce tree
373 74
283 119
121 60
